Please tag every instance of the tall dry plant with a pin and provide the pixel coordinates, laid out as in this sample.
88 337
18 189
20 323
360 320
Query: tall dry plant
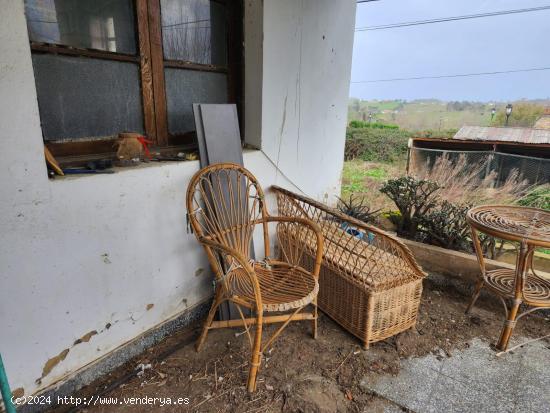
473 183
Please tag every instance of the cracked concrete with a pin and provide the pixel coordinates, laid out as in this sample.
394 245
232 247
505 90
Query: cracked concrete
471 380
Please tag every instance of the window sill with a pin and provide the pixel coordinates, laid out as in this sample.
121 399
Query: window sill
140 165
117 170
78 154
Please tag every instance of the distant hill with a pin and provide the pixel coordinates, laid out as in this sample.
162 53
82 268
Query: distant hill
434 114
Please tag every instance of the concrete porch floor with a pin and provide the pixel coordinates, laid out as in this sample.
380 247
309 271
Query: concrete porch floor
444 364
471 380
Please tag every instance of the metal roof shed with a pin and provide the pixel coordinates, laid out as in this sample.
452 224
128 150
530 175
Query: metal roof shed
505 148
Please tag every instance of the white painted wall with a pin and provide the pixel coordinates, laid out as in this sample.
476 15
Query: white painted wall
79 253
306 73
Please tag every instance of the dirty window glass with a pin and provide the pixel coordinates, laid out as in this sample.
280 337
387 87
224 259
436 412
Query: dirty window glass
194 31
185 87
86 98
100 24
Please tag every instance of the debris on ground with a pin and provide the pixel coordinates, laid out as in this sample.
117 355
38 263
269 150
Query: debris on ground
303 374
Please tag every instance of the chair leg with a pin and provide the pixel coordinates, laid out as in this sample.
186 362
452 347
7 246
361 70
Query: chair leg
208 321
256 358
315 317
509 325
475 296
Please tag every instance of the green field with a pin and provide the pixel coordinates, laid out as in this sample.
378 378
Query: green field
427 113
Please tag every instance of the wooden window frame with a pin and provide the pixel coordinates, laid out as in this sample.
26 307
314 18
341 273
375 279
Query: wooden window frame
150 58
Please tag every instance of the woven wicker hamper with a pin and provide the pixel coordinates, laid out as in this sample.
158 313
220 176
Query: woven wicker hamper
369 282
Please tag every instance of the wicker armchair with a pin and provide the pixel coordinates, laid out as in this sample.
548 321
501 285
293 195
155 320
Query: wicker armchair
369 282
224 205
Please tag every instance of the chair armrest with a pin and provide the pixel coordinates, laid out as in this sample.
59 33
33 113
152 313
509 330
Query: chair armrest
310 225
217 261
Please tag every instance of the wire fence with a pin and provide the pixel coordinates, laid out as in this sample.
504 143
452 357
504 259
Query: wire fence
535 170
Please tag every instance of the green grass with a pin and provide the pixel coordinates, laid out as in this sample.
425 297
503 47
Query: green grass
356 171
364 179
353 177
377 173
539 197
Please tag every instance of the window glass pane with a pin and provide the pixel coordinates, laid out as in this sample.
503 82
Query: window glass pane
185 87
99 24
194 31
83 97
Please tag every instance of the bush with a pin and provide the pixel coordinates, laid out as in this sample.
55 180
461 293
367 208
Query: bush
376 145
434 213
446 227
539 197
524 114
374 125
414 198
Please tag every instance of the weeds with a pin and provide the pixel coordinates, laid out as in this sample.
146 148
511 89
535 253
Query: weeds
357 208
538 197
463 183
364 179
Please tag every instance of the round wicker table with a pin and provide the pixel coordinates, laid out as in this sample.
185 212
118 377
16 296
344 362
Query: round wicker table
530 227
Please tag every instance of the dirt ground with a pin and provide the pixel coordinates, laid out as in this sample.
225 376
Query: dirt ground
301 374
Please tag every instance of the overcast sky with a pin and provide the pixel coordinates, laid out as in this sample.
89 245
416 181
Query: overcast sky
488 44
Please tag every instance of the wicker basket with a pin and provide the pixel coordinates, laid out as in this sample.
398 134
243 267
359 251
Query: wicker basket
369 282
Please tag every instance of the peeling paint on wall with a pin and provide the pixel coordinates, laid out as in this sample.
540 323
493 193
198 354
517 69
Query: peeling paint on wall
51 363
54 361
53 224
199 272
85 338
19 392
149 306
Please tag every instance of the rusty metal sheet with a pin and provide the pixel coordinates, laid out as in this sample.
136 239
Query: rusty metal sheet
517 135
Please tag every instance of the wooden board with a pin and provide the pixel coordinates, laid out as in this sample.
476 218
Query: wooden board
52 163
146 70
157 65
